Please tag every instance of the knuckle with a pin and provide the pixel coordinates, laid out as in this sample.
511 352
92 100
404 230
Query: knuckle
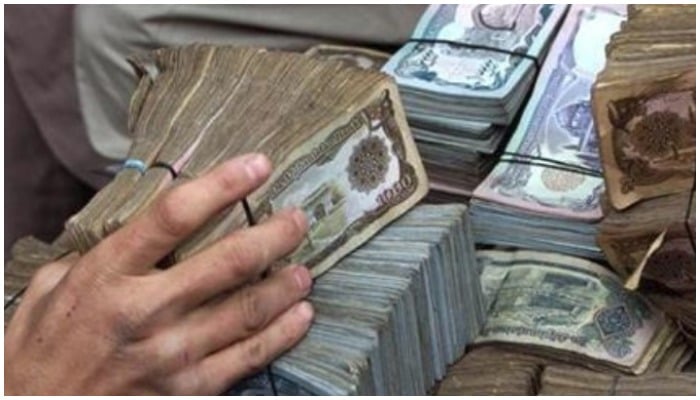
241 258
255 354
292 332
252 311
123 325
125 320
290 229
168 214
42 276
45 278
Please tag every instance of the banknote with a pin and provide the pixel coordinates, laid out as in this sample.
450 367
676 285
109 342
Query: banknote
468 71
568 304
647 133
360 57
362 173
557 125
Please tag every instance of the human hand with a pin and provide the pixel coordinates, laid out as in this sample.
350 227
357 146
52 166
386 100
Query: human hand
110 323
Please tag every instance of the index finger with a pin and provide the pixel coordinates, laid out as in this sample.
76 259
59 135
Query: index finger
178 213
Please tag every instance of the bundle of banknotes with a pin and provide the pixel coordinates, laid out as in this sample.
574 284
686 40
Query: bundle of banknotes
567 380
544 193
336 133
644 103
493 370
391 316
644 110
571 309
652 245
547 310
464 76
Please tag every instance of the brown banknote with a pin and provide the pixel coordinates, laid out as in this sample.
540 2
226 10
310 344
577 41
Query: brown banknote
644 105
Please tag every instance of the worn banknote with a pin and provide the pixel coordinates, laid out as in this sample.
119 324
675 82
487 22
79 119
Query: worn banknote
551 164
563 304
349 184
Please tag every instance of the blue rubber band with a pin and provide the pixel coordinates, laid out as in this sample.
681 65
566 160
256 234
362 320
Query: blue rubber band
133 163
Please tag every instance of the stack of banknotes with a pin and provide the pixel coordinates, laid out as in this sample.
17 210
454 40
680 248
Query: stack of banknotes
463 79
493 370
544 193
568 380
644 102
548 311
644 109
570 309
336 134
391 316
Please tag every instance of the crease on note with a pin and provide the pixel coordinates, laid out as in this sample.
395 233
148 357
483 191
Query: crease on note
632 282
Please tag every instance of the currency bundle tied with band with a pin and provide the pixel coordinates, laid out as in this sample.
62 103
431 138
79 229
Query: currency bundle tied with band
336 134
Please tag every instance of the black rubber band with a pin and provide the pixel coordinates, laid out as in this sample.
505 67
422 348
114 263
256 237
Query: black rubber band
686 221
545 162
475 46
251 222
161 164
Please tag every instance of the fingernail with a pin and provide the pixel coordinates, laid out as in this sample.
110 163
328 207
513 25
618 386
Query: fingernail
304 310
257 166
303 278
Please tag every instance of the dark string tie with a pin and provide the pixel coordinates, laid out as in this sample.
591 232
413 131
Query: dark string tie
161 164
476 46
686 221
526 159
251 222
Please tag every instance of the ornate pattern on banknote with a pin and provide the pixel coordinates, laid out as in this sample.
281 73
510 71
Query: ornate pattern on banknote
506 27
349 180
654 137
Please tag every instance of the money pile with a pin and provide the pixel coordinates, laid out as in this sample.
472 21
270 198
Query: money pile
644 109
391 316
544 192
493 370
570 309
626 237
337 135
359 57
463 79
644 103
567 380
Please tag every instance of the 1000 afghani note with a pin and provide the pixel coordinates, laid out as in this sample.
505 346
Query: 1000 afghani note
350 182
647 136
557 125
567 305
471 72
